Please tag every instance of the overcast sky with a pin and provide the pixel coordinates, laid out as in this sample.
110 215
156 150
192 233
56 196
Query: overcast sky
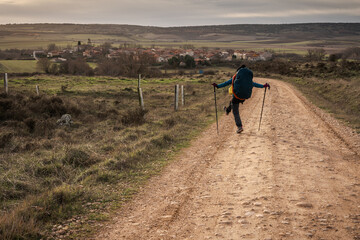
178 13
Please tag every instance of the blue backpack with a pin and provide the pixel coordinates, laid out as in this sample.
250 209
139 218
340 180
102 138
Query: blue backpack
242 84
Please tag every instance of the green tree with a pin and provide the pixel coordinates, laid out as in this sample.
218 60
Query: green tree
174 61
189 61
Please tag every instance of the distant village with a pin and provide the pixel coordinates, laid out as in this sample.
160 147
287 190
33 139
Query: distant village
162 55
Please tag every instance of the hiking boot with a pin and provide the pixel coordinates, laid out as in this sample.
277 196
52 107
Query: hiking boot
240 129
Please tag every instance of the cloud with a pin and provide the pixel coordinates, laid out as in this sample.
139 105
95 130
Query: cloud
293 13
176 13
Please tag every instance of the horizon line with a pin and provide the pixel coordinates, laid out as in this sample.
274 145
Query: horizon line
126 24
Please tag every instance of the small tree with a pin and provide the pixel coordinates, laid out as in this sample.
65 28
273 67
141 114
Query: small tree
106 47
174 61
52 47
43 65
334 57
352 53
189 61
316 54
76 67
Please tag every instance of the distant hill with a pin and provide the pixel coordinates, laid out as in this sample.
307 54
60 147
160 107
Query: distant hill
305 30
332 33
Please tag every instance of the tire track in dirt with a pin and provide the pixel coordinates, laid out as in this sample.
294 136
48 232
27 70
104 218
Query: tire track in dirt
295 179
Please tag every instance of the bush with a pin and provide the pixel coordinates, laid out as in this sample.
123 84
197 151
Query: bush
129 65
5 139
170 122
107 177
134 117
162 141
316 54
79 158
15 189
76 67
120 163
30 123
44 65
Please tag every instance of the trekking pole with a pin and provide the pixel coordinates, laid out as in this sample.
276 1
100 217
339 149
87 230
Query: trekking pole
217 124
262 108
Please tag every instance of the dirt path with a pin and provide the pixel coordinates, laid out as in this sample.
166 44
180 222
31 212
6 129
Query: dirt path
298 178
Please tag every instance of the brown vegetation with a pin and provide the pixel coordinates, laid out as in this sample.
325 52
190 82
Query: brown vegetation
129 65
51 172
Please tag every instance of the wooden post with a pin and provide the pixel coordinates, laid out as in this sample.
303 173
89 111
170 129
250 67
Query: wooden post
37 90
176 97
141 99
6 87
182 95
139 78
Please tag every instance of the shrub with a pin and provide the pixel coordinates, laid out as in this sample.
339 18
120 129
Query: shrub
60 203
107 177
43 65
46 170
5 139
79 158
315 54
162 141
30 123
76 67
134 117
120 163
15 189
170 122
129 65
45 128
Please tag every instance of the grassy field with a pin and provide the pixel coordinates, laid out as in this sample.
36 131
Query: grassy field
67 180
32 42
290 38
18 66
37 41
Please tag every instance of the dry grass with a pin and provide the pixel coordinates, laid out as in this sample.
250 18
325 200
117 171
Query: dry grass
48 173
340 97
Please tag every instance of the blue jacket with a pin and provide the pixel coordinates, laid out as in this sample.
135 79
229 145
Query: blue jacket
243 84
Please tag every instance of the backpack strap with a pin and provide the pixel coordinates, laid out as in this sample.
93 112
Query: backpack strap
233 79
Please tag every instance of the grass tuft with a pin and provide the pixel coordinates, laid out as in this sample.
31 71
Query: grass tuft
79 158
134 117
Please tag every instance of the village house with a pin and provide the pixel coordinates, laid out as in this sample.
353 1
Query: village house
162 55
265 56
54 54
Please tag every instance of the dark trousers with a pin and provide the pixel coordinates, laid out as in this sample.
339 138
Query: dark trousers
235 107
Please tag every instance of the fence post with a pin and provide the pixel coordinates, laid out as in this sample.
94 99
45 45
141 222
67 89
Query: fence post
141 99
139 78
182 96
37 90
6 87
176 97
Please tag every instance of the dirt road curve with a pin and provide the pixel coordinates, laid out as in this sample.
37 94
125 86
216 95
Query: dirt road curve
298 178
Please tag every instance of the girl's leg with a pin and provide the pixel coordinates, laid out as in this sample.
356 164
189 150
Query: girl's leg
235 108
